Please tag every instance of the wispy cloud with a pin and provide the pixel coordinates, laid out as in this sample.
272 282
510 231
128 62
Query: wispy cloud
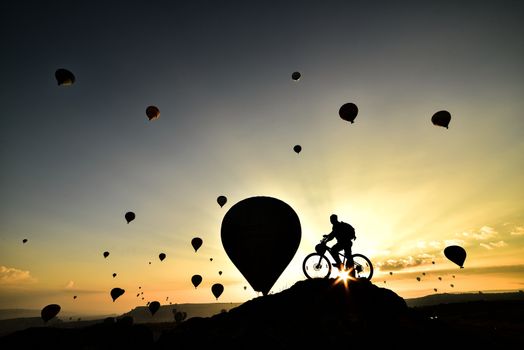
493 245
70 285
518 231
484 233
401 263
11 275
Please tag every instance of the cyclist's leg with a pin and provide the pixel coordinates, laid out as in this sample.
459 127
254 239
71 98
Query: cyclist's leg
348 254
334 253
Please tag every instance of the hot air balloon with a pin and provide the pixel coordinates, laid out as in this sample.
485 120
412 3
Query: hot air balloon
152 112
221 200
220 273
261 235
153 307
348 112
49 311
391 272
296 76
435 289
441 118
245 287
210 259
114 275
196 243
116 292
24 240
106 254
297 149
161 256
423 274
440 278
74 296
130 216
433 262
418 279
217 290
150 263
453 276
196 280
456 254
64 77
452 285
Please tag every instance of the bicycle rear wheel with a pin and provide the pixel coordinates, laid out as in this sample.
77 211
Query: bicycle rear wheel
363 266
316 266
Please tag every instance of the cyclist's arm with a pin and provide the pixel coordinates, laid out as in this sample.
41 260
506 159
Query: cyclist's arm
329 236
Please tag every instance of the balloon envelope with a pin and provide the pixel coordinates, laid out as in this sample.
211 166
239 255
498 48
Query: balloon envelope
116 292
153 307
24 240
64 77
296 76
221 200
161 256
217 289
114 275
106 254
49 311
196 243
456 254
152 112
130 216
196 280
348 112
297 148
261 235
441 118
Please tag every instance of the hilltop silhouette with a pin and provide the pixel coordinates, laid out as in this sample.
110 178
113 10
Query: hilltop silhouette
311 313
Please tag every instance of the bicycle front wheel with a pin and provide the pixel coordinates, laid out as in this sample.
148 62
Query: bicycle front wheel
363 266
316 266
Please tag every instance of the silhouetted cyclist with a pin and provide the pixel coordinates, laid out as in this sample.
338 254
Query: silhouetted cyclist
344 233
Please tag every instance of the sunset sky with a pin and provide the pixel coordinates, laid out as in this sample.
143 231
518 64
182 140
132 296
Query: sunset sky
75 159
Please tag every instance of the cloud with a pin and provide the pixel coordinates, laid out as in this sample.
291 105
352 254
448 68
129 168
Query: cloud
518 231
11 275
493 245
449 242
401 263
484 233
430 244
70 285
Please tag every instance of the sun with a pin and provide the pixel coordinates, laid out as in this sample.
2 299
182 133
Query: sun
345 276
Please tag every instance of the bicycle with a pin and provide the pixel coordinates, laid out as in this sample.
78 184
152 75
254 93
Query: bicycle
318 265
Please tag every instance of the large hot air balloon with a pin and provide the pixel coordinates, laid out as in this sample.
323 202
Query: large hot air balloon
196 280
348 112
130 216
296 76
153 307
261 235
456 254
221 200
116 292
106 254
217 290
297 149
64 77
196 243
441 118
152 112
161 256
49 311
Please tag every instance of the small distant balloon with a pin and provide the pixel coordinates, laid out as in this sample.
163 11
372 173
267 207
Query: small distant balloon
418 279
245 287
138 294
210 259
456 254
435 289
161 256
453 276
221 200
24 240
297 149
152 112
348 112
196 280
49 311
114 275
139 287
153 307
220 273
384 281
217 290
106 254
452 285
130 216
196 243
116 293
150 263
74 296
296 76
440 278
64 77
390 272
433 262
441 118
423 274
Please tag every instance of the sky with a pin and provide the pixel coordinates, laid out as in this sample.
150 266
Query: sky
76 158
